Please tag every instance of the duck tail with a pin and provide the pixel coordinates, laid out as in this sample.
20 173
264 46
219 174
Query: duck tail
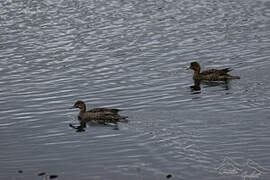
227 70
123 117
233 77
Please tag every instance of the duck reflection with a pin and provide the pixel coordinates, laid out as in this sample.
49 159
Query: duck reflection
83 124
79 128
197 85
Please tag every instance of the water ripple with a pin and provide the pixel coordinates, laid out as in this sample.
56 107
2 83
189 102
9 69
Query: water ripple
132 55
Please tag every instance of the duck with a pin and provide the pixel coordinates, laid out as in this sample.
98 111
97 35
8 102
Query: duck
211 74
98 114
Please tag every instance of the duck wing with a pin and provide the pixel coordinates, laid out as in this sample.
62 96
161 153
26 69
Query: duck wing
217 72
215 77
104 110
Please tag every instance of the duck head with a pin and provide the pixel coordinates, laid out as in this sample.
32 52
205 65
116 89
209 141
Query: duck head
80 105
195 66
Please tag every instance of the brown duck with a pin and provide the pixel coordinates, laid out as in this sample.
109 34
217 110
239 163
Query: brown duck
211 74
103 114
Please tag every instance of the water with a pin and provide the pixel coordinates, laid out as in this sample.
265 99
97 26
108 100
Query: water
133 55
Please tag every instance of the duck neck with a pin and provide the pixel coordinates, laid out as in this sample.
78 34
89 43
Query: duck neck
83 109
196 72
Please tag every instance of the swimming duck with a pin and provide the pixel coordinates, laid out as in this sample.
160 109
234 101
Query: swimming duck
103 114
211 74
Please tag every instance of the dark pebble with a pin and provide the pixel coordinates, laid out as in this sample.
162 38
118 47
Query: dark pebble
41 174
20 171
169 176
53 176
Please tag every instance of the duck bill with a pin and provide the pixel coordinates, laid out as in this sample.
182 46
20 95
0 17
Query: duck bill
188 68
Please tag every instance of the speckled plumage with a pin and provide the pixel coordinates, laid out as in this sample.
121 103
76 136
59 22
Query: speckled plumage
211 74
104 114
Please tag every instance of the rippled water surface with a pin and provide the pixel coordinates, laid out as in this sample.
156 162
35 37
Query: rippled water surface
132 55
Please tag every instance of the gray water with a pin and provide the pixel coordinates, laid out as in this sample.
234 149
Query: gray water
132 55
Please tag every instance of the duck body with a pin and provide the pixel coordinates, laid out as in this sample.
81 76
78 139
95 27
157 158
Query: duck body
211 74
104 114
